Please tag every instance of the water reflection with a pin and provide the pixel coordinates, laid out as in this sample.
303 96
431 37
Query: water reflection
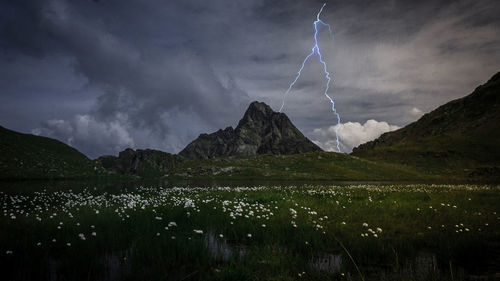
326 262
423 266
219 249
114 264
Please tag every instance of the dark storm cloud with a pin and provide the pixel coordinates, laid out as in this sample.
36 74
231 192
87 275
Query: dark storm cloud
105 75
145 87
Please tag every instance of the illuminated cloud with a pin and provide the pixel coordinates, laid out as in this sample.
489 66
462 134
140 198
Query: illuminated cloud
351 134
415 113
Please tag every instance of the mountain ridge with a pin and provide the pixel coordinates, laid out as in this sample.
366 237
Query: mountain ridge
456 141
260 131
461 135
140 162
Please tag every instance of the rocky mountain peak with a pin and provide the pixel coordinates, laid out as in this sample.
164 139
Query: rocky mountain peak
260 131
259 108
257 114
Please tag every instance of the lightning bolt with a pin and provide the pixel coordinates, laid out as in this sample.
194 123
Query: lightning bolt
316 50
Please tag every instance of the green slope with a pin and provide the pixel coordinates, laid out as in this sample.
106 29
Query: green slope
25 156
459 139
305 166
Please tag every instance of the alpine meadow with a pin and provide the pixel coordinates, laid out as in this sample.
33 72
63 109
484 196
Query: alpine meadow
249 140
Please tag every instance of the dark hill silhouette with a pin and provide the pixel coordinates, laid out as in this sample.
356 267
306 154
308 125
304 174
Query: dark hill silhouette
26 156
461 135
143 163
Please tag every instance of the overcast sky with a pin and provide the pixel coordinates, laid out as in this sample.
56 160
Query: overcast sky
106 75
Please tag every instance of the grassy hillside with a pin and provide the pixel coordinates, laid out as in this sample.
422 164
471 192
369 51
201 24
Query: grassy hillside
306 166
24 156
458 139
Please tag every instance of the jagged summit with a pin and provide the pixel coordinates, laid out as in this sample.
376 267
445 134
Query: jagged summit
257 108
260 131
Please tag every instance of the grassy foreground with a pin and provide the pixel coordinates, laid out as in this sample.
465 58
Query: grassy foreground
357 232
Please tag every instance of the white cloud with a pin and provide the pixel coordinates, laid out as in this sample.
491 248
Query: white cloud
86 133
351 134
95 136
415 112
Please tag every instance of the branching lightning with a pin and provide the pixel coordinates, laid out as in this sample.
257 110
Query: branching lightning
316 50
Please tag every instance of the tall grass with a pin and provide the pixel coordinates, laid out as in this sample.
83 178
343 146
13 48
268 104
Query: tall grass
272 233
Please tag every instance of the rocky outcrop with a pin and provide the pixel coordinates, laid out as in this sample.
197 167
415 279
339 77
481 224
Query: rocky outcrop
260 131
139 162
